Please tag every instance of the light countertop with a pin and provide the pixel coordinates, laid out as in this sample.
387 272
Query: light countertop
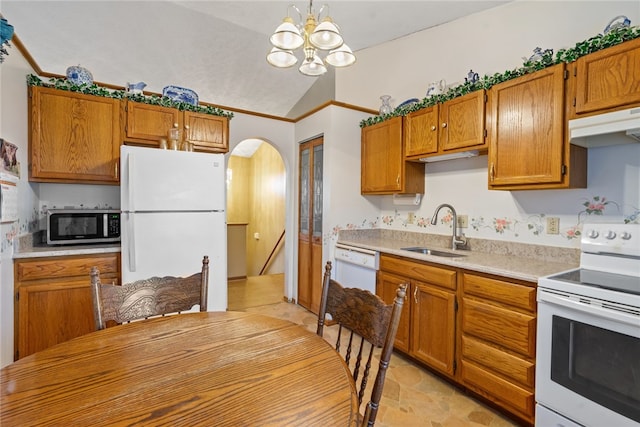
48 251
517 261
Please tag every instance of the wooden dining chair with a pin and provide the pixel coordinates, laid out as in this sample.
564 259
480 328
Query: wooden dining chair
368 323
149 297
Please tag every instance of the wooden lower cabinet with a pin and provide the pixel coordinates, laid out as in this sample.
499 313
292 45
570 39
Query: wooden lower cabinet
477 330
53 298
497 341
427 324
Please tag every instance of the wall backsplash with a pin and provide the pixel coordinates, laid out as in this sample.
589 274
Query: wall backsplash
612 194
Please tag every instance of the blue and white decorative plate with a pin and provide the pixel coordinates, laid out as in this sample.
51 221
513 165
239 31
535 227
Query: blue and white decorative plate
79 75
408 103
180 94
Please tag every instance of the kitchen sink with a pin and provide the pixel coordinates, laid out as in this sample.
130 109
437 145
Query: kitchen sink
434 252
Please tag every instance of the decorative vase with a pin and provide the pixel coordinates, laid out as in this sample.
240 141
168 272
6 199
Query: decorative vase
385 108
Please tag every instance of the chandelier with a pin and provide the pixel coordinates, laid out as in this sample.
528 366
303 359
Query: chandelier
312 35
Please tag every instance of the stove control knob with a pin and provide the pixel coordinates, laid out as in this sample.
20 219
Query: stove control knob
593 234
610 235
625 235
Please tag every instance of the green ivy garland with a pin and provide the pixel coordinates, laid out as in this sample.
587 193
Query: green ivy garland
585 47
93 89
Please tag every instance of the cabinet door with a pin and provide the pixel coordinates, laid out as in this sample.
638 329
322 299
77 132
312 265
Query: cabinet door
74 138
386 289
382 159
608 79
433 326
383 166
462 123
147 124
526 138
421 132
51 313
207 132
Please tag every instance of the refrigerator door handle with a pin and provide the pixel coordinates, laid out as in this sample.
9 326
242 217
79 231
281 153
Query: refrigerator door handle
132 242
131 185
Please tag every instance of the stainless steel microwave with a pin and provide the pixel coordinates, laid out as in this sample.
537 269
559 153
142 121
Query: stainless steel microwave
80 226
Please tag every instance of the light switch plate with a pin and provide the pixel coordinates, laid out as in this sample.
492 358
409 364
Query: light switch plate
463 221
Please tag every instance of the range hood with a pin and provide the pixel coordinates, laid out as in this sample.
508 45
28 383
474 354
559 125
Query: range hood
619 127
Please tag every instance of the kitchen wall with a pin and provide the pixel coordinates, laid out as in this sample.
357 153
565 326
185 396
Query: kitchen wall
13 128
491 42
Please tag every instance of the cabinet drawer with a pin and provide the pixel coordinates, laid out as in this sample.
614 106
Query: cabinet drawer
55 267
416 270
498 390
506 364
512 330
512 294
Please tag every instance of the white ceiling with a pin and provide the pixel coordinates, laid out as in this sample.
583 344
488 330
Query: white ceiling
216 48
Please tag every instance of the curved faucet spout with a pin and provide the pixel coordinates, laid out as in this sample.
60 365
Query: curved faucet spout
455 239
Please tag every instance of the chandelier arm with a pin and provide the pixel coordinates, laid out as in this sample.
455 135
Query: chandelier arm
297 11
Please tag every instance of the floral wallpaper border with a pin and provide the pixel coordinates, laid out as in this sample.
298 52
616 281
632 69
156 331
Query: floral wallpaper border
533 224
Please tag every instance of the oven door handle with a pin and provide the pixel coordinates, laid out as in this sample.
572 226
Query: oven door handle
612 313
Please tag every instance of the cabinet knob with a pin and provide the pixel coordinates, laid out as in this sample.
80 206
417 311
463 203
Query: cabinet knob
444 125
433 127
491 172
415 294
175 125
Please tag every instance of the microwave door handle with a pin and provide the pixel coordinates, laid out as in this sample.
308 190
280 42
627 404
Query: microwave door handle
131 241
589 309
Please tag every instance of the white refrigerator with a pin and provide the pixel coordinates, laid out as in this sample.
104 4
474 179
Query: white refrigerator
173 213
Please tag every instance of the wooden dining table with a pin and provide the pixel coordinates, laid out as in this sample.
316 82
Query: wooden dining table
190 369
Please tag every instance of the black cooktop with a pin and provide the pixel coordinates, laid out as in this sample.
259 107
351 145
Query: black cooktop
600 279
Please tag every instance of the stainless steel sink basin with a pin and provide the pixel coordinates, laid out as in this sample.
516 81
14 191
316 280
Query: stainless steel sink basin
434 252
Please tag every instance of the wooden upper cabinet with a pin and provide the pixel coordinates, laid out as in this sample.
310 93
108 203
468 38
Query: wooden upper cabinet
384 169
606 80
462 124
207 132
454 126
527 146
421 132
73 138
146 124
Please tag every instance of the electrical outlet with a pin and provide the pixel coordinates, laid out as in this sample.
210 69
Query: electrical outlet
411 217
553 225
463 221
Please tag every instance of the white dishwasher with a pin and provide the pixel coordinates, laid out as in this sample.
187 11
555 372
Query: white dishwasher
356 267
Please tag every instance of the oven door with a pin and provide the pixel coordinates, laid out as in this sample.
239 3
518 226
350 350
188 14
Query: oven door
587 364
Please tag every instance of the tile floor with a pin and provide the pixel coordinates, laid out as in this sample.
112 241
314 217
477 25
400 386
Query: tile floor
412 396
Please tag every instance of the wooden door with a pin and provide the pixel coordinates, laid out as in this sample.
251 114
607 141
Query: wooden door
608 79
382 157
73 138
462 123
310 269
421 132
387 287
526 139
207 132
147 124
51 313
433 326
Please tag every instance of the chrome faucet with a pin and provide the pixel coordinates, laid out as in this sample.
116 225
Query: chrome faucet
455 239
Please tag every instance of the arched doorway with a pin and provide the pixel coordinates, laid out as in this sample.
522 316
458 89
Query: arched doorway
256 190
